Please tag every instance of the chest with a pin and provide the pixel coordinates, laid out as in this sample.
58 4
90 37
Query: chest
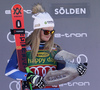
42 63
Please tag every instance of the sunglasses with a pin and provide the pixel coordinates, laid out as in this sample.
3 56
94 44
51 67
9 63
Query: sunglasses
46 32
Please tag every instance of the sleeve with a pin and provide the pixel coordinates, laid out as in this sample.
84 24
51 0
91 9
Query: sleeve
12 70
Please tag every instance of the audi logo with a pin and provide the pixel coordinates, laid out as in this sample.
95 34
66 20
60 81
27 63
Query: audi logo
43 69
17 84
11 38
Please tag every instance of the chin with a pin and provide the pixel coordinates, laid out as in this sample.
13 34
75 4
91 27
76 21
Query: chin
46 40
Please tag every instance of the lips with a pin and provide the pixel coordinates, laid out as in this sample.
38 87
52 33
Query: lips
48 37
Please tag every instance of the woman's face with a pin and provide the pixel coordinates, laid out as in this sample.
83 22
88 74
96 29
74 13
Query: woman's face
44 37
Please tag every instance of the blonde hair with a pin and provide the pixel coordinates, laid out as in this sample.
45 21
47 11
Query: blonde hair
37 8
34 39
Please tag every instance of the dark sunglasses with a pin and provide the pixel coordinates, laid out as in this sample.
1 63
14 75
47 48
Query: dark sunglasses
46 32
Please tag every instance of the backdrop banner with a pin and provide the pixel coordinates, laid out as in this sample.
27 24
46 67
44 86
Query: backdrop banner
77 29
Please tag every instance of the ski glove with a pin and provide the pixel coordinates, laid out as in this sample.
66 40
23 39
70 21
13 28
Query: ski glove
36 80
82 68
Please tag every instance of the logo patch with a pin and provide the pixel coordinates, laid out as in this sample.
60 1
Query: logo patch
42 54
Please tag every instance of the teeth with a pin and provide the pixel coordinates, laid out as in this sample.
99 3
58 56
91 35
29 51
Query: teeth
57 77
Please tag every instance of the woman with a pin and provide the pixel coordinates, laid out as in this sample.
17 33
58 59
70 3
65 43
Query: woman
40 49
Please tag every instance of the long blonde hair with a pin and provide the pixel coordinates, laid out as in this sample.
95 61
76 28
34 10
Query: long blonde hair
34 39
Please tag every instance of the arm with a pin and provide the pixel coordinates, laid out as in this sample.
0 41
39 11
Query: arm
12 69
12 72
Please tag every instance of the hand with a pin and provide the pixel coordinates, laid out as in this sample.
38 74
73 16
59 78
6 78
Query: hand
82 68
40 82
36 80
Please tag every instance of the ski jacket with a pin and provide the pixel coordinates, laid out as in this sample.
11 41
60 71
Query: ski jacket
43 62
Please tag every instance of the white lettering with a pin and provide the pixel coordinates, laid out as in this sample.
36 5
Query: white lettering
63 11
83 10
82 84
77 11
56 11
76 35
58 35
28 11
72 11
67 11
7 12
60 10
